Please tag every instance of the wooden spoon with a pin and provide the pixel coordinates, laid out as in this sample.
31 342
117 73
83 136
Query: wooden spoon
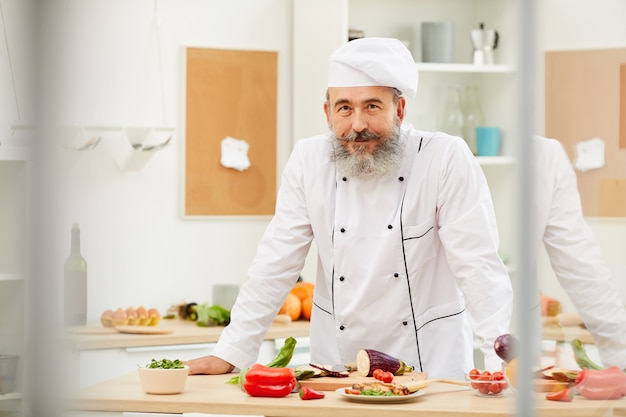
414 386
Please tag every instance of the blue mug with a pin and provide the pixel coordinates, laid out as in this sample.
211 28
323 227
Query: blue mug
488 140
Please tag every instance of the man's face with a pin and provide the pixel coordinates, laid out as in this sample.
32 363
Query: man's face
365 122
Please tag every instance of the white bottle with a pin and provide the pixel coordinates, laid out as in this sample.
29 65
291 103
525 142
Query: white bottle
75 283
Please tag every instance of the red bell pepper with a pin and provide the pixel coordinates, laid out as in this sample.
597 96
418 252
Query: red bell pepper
604 384
307 393
263 381
566 395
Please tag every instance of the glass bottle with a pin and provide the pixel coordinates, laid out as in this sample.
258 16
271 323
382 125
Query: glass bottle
473 117
75 283
453 118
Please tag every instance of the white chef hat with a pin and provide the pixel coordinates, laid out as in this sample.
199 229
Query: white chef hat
374 62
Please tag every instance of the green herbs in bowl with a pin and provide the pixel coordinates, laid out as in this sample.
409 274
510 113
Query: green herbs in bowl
163 377
165 364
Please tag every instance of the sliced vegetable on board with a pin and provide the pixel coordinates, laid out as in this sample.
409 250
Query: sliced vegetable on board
566 395
368 360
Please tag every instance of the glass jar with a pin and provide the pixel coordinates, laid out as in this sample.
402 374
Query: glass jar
453 119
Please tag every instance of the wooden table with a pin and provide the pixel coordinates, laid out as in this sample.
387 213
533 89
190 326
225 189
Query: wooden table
560 333
209 394
94 336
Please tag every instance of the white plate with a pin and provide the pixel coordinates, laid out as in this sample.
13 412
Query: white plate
144 329
379 399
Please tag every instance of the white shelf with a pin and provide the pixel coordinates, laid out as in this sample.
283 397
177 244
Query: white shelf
14 153
11 396
465 68
11 277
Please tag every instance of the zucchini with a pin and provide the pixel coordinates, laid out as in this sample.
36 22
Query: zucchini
368 360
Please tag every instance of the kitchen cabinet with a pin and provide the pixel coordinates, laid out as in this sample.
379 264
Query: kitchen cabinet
13 224
95 354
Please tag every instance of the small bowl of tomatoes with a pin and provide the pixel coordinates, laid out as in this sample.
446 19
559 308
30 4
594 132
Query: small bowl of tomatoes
486 383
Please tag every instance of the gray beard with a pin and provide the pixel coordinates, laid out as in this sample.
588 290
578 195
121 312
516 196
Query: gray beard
386 157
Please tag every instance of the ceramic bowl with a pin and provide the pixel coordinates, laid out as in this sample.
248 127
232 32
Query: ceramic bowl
163 381
487 387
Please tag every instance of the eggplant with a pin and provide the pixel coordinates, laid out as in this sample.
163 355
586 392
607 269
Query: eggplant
368 360
506 347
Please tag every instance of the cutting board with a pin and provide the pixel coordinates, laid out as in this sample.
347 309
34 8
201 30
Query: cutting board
327 383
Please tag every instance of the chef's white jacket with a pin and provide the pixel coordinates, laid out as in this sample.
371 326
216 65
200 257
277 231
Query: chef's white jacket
407 263
574 253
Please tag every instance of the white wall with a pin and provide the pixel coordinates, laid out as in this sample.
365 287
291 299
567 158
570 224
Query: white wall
105 65
582 24
119 63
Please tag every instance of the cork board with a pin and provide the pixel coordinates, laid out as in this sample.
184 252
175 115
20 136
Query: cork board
585 99
230 93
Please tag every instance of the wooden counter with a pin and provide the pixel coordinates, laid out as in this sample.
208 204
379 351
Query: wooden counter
561 333
209 394
93 336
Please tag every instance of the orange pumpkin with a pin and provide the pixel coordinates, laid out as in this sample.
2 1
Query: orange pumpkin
292 306
303 289
307 306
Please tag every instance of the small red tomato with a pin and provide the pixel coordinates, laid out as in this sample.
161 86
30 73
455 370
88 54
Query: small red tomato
495 388
484 388
497 376
474 373
377 373
387 377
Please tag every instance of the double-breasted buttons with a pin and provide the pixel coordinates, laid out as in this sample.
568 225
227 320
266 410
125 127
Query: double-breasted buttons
401 179
405 322
341 278
389 226
342 327
396 275
344 179
342 230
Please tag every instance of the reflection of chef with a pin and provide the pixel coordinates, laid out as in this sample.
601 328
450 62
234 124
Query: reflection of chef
574 254
404 226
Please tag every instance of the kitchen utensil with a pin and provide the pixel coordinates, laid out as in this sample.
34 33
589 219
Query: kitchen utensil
417 385
484 41
438 41
157 147
488 140
327 383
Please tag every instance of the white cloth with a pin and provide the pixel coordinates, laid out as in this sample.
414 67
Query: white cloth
366 62
407 263
574 254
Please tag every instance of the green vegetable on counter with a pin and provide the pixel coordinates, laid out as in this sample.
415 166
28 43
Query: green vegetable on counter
280 361
165 364
207 314
581 356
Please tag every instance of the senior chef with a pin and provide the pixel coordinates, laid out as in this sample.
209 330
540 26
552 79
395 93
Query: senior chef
574 253
404 227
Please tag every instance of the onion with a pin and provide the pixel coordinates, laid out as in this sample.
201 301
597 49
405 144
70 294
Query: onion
506 347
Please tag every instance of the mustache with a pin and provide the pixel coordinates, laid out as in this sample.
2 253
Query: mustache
361 136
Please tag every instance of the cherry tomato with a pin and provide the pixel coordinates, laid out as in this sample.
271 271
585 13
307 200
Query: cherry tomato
474 373
495 388
484 388
497 376
377 373
387 377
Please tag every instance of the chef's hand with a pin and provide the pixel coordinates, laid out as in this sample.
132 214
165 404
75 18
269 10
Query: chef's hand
208 365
